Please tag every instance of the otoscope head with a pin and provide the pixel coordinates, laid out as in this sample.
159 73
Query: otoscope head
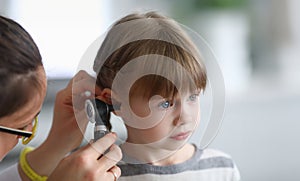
98 112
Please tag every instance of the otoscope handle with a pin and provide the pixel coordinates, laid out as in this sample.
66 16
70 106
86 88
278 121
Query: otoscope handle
98 112
99 132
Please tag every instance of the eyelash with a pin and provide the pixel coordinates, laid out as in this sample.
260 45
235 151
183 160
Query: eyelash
162 104
193 97
167 104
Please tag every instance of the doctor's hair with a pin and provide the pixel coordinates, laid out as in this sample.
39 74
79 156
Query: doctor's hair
128 39
19 61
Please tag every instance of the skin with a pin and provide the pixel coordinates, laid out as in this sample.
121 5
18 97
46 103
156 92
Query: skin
179 117
65 135
158 145
93 169
22 118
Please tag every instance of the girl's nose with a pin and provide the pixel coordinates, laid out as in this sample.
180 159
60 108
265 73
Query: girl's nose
179 113
183 115
178 121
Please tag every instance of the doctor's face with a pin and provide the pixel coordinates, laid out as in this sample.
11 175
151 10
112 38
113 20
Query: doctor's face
23 118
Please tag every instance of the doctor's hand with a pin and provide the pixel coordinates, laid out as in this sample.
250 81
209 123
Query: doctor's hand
69 118
90 162
68 126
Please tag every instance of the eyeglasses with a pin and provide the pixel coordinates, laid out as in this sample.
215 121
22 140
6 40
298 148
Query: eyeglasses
27 136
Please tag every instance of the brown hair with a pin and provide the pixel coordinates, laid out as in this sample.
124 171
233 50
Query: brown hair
19 62
146 35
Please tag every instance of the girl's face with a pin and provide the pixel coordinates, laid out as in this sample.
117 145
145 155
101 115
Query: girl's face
169 123
22 119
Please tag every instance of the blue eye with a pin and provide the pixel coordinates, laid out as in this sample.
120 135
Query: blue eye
165 104
193 97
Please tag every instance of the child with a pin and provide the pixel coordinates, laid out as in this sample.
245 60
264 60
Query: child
151 68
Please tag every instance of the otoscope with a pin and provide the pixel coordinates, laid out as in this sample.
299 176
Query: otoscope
98 112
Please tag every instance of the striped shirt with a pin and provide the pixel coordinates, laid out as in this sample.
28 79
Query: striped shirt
207 165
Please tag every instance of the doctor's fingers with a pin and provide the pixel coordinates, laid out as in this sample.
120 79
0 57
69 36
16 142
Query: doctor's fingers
114 173
111 158
82 81
80 120
97 149
82 90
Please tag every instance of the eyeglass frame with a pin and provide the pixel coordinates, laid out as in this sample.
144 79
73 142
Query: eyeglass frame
27 136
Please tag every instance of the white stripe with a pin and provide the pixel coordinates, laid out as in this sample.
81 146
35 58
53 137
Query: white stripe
209 153
215 174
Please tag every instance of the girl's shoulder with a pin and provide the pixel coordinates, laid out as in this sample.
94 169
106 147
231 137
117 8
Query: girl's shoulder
210 153
217 161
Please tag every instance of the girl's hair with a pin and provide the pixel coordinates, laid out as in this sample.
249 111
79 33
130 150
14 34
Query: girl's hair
142 36
19 62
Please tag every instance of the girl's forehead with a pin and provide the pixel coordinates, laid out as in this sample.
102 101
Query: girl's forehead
175 95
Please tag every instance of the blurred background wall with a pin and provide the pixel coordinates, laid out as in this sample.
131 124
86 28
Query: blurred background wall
257 43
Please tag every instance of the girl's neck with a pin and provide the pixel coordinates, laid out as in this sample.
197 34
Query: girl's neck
180 156
158 157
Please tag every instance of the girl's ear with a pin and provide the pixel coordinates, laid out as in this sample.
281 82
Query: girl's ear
107 96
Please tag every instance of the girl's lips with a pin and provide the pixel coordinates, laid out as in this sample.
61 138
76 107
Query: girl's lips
181 136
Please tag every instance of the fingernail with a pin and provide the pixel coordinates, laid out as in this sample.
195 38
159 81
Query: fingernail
113 133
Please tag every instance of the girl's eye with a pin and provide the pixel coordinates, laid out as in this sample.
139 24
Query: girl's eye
165 104
193 97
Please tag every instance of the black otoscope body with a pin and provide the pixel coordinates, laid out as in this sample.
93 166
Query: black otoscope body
98 112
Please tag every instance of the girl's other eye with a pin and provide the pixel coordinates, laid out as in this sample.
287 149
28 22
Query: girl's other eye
165 104
193 97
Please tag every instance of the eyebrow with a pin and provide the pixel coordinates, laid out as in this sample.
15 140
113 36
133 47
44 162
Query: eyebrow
32 118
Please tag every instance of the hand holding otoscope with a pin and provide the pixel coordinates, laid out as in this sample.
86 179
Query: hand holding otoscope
80 88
